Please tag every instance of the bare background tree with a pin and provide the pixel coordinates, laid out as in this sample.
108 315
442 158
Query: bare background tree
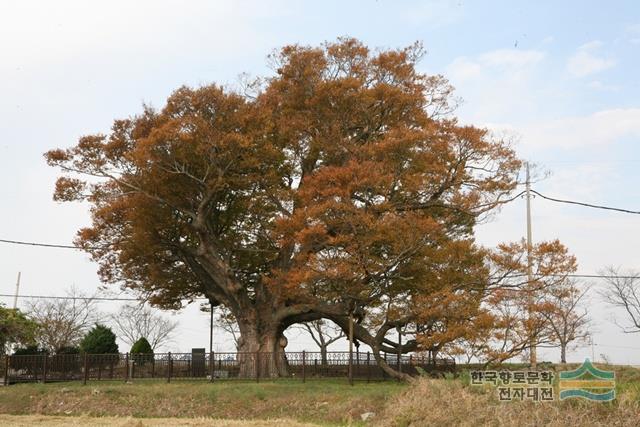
223 319
63 322
133 322
324 333
227 322
566 317
623 291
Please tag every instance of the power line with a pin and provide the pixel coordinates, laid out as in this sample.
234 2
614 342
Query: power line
82 298
72 298
595 276
589 205
552 199
46 245
582 276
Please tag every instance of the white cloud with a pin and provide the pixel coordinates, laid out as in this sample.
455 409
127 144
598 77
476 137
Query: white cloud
598 85
586 60
435 13
633 29
597 129
465 68
43 32
512 58
496 83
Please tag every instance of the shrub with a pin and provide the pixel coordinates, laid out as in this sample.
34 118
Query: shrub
141 351
141 346
29 350
99 340
68 350
28 359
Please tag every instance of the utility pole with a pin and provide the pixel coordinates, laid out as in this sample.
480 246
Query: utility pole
532 352
15 298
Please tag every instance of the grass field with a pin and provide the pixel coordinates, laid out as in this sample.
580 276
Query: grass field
291 403
319 401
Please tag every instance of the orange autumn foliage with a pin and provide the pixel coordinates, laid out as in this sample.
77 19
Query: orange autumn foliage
342 185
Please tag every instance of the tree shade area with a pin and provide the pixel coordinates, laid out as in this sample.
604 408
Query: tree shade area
342 187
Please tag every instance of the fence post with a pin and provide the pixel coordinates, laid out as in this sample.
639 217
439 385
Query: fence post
257 366
409 369
384 375
86 370
304 363
350 367
169 368
212 364
126 367
65 361
44 368
368 366
6 369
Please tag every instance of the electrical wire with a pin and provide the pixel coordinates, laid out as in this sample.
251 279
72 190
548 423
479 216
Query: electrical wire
71 298
46 245
81 298
552 199
49 245
588 205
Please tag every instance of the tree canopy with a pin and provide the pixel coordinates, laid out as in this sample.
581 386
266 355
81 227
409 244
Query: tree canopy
342 185
141 346
99 340
15 328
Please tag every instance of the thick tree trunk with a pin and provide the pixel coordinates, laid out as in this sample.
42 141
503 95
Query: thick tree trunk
323 356
261 351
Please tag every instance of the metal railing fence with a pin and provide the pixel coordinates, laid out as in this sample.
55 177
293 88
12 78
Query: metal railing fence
210 366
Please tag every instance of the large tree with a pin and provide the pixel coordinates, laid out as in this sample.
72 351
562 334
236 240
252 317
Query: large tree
340 186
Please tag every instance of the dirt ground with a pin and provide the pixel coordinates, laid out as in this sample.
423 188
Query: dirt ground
59 421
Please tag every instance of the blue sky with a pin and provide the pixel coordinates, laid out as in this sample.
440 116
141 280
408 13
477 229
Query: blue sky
560 79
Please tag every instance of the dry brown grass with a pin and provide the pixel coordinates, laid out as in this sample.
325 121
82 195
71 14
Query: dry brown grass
323 401
54 421
453 403
450 402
